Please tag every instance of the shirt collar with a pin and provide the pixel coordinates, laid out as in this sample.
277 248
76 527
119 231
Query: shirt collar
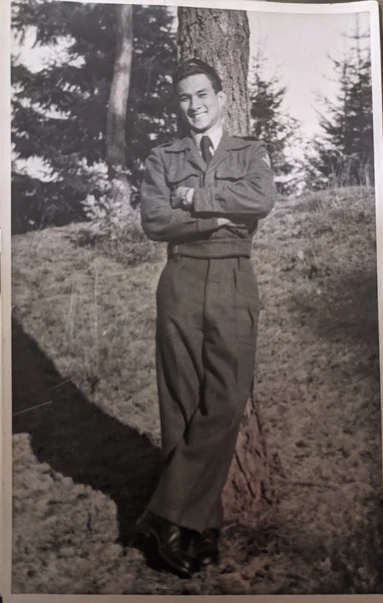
215 137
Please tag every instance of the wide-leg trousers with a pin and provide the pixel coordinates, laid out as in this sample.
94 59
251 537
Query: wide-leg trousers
207 317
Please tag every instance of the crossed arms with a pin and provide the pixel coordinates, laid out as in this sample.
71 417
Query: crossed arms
208 208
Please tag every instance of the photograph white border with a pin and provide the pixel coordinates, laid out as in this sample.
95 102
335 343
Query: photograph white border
369 6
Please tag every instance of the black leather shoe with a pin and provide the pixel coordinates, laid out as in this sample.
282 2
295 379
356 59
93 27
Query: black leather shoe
170 542
205 547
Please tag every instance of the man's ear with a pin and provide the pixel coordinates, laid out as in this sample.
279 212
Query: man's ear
222 98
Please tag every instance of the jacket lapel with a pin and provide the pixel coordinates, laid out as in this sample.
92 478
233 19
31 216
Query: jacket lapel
226 145
221 151
194 156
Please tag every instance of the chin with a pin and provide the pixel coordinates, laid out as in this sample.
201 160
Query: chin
200 128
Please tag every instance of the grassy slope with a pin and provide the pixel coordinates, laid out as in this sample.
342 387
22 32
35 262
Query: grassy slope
85 462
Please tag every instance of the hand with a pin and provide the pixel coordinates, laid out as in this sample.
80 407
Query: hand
182 197
225 222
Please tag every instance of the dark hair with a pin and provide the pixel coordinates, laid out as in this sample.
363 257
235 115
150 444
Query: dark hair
194 67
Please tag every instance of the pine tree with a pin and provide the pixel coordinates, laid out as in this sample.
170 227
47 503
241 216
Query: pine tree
270 122
60 111
343 154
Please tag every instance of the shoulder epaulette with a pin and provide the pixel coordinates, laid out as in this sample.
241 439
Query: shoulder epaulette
168 144
253 138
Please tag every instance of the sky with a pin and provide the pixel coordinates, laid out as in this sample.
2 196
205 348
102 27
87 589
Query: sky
298 47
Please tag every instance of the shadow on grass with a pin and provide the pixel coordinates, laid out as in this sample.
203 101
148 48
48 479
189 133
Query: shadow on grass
77 438
345 309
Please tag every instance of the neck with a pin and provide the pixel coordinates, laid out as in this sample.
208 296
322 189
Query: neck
211 130
214 132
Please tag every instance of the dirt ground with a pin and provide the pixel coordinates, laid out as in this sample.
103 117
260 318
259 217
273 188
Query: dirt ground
86 428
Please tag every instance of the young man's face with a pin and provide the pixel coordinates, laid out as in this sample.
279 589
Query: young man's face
200 105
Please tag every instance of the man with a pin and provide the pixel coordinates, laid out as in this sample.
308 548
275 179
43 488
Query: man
203 194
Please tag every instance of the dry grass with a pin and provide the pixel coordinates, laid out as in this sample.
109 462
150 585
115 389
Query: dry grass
85 462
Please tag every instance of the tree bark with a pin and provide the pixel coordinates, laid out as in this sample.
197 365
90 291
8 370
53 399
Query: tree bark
221 38
118 100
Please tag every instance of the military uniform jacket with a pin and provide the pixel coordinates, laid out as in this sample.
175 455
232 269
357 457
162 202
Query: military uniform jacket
236 184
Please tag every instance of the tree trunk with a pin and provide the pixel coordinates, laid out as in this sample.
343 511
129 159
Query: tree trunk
221 38
119 93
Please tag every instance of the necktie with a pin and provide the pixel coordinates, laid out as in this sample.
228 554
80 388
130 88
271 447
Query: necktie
205 148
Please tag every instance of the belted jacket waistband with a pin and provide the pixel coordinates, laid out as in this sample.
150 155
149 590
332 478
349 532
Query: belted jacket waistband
213 248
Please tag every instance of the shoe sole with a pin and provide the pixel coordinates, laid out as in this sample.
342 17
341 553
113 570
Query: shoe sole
148 532
210 561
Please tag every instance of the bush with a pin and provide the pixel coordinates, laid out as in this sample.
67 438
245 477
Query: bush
115 227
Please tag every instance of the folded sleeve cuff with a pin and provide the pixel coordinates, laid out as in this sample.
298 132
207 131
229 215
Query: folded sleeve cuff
204 201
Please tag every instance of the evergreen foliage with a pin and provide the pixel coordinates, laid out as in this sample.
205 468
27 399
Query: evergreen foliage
344 154
60 110
271 122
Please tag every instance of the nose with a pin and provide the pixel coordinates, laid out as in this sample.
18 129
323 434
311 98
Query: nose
195 104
